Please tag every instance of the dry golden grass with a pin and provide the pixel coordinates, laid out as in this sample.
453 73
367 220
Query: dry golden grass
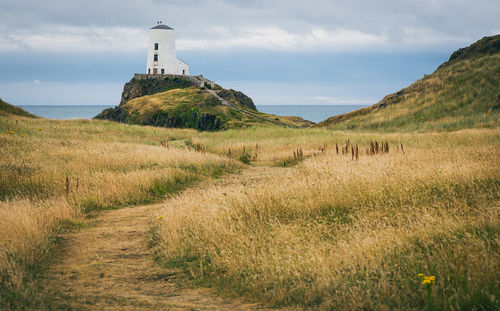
329 232
273 145
27 230
143 107
458 96
340 233
107 173
51 171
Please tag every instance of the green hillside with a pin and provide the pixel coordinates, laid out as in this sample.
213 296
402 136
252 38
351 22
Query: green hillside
194 107
462 93
8 109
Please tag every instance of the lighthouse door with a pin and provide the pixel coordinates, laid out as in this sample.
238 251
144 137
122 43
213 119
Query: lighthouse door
155 71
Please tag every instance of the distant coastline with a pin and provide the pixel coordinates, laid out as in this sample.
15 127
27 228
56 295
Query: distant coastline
315 113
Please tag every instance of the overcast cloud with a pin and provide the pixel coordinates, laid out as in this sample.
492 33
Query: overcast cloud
277 51
279 25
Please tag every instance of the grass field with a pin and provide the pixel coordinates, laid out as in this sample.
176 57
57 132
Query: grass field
329 229
53 171
334 231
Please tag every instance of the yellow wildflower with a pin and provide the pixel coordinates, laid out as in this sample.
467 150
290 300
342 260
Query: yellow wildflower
427 280
39 128
159 218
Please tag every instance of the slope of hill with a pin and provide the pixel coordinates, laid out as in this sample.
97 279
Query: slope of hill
8 109
462 93
183 104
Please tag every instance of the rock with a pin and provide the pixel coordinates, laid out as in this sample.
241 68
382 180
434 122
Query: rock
240 97
390 99
115 114
186 119
181 102
141 87
485 46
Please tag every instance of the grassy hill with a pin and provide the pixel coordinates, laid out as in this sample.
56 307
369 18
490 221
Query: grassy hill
183 105
8 109
462 93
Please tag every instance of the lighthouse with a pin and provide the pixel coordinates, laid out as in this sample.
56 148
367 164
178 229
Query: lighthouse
162 58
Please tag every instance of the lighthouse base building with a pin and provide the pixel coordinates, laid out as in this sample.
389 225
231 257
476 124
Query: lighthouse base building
162 58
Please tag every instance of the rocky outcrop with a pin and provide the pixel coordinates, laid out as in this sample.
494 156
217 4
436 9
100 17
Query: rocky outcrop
177 118
141 87
189 102
114 114
232 96
180 117
485 46
186 119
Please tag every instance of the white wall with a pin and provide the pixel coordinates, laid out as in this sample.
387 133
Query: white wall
182 67
167 59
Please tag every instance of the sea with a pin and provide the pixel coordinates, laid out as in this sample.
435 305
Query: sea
314 113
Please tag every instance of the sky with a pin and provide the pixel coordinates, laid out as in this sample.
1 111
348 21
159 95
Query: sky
66 52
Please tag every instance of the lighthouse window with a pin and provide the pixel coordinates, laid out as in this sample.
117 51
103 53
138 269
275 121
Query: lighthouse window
163 71
156 46
156 57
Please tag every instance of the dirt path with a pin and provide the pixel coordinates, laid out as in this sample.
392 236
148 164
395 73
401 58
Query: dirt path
109 265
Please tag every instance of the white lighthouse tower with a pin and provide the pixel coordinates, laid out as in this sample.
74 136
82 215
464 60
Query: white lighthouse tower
162 58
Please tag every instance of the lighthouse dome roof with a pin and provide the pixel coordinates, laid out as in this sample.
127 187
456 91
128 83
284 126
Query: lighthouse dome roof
161 27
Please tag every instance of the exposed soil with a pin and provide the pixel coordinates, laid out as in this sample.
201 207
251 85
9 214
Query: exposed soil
109 265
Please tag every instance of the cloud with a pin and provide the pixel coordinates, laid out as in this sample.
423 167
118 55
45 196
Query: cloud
279 25
61 39
93 39
273 38
74 39
427 36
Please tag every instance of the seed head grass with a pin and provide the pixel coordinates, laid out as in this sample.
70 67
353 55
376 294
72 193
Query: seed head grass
333 232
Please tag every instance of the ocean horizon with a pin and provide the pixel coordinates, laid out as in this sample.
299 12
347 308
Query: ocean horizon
314 113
